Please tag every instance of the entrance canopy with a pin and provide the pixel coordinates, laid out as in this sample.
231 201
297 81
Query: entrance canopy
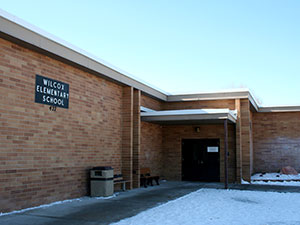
189 116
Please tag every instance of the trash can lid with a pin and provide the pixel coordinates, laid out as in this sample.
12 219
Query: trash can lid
102 168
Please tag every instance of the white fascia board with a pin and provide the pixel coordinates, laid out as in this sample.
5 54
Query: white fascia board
231 117
187 112
222 95
279 109
19 29
253 101
145 109
218 116
233 113
209 96
185 115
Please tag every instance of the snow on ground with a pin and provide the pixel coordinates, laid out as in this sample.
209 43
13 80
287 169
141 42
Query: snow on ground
274 176
275 179
41 206
56 203
283 183
222 207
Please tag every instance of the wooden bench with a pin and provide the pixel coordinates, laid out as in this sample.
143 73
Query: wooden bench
146 178
118 179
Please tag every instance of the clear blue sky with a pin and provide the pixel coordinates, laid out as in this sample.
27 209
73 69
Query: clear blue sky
184 46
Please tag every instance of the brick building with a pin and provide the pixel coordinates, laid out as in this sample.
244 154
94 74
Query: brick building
90 114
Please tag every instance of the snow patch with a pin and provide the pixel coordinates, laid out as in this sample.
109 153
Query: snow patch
274 176
55 203
283 183
219 207
244 182
41 206
109 197
275 179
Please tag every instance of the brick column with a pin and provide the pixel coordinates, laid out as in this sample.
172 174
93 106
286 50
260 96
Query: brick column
246 139
136 137
238 141
127 134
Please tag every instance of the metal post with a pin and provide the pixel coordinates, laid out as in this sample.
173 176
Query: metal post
226 154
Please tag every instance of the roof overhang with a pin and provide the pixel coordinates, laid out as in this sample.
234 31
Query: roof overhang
19 31
13 28
191 116
221 95
279 109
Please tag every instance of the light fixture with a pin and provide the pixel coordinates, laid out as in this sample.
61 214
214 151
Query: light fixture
197 129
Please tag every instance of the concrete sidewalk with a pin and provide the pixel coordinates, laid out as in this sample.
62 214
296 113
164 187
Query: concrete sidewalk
91 211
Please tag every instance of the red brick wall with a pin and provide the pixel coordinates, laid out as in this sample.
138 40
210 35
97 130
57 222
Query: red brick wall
161 145
276 141
127 134
136 137
212 104
151 155
151 103
44 155
151 139
172 138
246 139
251 143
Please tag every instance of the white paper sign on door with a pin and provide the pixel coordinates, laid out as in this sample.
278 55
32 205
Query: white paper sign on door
212 149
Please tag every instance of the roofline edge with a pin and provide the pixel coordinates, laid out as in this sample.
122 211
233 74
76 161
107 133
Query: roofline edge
25 32
19 29
280 109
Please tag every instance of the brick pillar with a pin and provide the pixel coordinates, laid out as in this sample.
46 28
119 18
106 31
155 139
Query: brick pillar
136 137
246 139
127 134
238 141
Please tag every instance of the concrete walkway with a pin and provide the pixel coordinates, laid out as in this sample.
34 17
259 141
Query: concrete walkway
91 211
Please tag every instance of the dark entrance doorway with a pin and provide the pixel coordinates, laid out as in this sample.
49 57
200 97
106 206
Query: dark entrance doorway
201 160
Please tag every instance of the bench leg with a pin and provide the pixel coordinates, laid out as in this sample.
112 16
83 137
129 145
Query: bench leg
157 181
149 181
124 186
144 182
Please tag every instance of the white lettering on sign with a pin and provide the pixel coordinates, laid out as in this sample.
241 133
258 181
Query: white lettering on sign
49 91
53 100
45 90
54 84
212 149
